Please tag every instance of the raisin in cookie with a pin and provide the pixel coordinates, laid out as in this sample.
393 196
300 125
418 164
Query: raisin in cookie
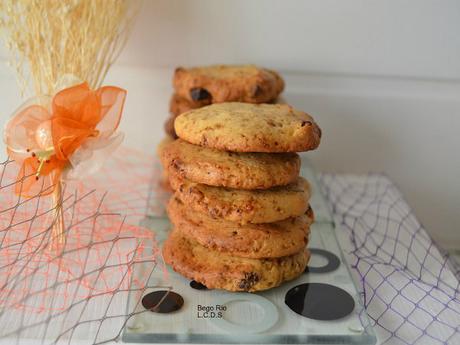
179 105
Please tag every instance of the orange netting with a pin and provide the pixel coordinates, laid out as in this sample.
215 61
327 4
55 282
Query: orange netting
73 292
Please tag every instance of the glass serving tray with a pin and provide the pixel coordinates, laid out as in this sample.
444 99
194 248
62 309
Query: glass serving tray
269 317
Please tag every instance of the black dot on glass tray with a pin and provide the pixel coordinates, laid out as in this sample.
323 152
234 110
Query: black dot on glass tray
319 301
197 286
333 262
162 301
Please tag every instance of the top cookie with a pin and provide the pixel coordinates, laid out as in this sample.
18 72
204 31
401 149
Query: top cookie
228 83
242 127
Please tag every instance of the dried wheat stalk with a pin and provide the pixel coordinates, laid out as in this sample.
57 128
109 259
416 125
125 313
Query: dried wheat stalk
51 38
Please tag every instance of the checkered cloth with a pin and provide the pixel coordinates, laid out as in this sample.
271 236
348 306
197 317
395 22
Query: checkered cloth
409 287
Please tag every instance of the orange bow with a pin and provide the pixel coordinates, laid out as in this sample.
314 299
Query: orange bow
43 138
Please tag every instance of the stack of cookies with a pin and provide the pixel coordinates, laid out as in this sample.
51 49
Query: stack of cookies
201 86
240 211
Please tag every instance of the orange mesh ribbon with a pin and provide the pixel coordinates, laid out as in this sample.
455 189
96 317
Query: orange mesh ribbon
46 138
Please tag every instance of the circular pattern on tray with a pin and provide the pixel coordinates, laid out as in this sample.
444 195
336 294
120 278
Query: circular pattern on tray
269 319
197 286
162 301
333 261
320 301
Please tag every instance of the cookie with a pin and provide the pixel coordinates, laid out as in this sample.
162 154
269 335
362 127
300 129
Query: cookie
164 179
228 83
242 127
267 240
217 270
169 127
243 206
227 169
162 144
179 105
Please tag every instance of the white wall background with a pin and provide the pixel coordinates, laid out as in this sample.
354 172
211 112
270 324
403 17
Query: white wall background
381 77
415 38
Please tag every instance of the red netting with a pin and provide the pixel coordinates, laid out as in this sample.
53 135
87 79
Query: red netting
79 291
